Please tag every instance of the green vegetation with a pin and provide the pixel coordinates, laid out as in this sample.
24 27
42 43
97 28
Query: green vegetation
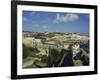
40 64
53 52
29 51
51 35
51 49
54 56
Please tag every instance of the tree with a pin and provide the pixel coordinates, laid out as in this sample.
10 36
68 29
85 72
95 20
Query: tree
53 57
29 51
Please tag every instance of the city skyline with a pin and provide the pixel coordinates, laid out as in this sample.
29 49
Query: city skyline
36 21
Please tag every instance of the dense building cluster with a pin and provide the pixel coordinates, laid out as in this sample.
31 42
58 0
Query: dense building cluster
55 49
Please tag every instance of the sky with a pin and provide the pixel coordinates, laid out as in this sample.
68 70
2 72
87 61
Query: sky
37 21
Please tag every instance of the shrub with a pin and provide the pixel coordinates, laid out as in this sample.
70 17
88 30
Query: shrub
29 51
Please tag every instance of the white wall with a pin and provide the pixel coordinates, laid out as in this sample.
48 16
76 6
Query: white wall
5 29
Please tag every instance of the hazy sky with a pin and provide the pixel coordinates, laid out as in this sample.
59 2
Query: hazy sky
55 22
